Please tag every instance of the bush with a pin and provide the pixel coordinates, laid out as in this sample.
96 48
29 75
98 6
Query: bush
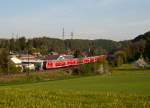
86 69
3 71
13 69
10 70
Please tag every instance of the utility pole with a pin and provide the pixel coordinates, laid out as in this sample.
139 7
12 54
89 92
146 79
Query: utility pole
70 42
63 33
72 35
63 38
28 70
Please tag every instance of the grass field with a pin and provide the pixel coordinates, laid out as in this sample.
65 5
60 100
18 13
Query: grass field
124 88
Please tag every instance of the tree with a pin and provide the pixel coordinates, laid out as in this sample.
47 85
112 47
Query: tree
4 60
92 51
77 53
12 44
120 57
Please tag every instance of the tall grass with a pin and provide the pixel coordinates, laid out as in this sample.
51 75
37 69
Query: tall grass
44 98
33 77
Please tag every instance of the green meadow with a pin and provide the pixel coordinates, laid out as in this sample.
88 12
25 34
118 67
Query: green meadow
126 87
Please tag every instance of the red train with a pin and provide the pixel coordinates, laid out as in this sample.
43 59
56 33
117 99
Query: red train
52 64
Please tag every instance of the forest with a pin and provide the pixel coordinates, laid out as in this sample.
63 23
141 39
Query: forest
45 44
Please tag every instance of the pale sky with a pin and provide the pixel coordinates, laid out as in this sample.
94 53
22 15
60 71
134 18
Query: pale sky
88 19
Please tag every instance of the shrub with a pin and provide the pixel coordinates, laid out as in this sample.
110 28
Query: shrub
3 71
13 69
86 69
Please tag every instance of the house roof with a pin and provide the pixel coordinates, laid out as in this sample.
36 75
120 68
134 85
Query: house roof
26 57
51 57
67 56
16 60
58 57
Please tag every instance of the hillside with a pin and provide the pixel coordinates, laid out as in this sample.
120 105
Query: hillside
143 41
43 44
145 36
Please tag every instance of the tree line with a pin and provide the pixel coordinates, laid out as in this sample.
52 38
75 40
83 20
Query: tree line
45 44
131 50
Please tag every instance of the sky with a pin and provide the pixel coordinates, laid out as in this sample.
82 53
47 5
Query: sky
87 19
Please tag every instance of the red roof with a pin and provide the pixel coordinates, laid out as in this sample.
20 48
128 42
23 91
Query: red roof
51 57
